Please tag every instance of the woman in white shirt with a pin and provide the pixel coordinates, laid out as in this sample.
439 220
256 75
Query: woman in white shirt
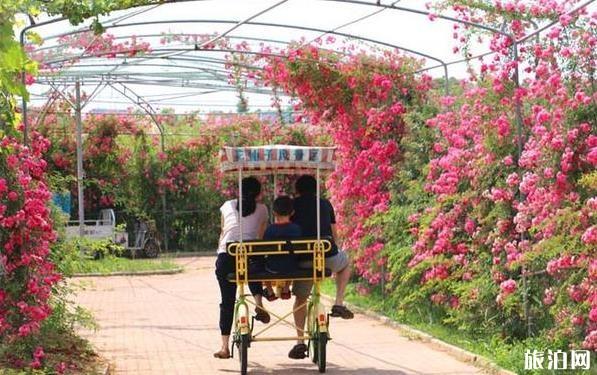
255 218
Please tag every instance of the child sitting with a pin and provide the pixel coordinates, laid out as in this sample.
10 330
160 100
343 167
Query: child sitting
282 228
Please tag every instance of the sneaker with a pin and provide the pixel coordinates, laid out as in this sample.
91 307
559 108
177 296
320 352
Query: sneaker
299 351
262 315
339 311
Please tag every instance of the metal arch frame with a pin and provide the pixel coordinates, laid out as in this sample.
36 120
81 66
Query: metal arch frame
141 103
175 83
150 7
50 37
266 24
422 12
144 56
148 109
151 78
186 58
357 2
185 68
240 23
202 59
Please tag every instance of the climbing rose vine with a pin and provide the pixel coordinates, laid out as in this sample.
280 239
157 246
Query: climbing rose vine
361 100
26 233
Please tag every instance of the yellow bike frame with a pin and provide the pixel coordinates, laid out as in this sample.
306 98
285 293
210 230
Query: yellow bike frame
241 251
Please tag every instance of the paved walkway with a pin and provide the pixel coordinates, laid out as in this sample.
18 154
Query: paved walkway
169 325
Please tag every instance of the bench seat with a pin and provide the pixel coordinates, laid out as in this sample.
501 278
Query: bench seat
299 274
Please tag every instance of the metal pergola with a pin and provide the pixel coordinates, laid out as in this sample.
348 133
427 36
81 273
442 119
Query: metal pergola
197 71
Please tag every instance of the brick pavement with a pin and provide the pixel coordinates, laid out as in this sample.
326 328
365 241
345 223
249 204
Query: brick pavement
169 325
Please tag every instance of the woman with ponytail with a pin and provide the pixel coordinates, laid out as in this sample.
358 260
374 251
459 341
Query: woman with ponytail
255 220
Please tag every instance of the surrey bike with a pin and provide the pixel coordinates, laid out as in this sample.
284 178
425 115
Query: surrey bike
274 160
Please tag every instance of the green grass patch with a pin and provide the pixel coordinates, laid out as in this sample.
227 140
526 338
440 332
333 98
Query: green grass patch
509 356
112 264
91 256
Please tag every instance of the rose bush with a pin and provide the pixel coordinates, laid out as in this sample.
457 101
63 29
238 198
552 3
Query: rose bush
502 232
127 170
27 276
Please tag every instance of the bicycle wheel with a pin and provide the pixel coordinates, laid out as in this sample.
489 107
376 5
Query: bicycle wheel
243 346
313 333
322 340
313 349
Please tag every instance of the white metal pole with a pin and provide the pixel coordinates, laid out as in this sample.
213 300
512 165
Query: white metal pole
273 195
80 172
275 184
318 209
319 247
240 204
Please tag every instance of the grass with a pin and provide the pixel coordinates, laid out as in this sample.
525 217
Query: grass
112 264
509 356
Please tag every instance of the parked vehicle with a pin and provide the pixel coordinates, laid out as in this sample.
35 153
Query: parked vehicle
104 227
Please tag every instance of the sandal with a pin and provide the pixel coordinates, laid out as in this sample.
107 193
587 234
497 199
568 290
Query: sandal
339 311
269 296
222 354
262 315
299 351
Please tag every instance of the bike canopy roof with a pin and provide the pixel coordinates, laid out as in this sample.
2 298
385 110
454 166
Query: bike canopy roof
277 159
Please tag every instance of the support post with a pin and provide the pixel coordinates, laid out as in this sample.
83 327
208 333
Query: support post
23 100
519 146
446 80
274 192
318 248
240 204
25 118
80 172
241 290
383 281
164 202
317 196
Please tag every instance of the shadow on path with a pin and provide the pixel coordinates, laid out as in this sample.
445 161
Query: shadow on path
311 369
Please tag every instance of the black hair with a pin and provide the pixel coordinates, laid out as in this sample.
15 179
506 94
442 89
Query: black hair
250 189
306 185
283 205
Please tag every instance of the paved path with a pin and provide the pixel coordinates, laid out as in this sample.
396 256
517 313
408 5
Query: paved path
169 325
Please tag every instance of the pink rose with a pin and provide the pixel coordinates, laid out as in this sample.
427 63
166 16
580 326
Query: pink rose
12 196
593 314
508 287
589 237
549 297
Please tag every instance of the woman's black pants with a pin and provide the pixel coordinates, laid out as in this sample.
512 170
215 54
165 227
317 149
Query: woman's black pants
225 265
